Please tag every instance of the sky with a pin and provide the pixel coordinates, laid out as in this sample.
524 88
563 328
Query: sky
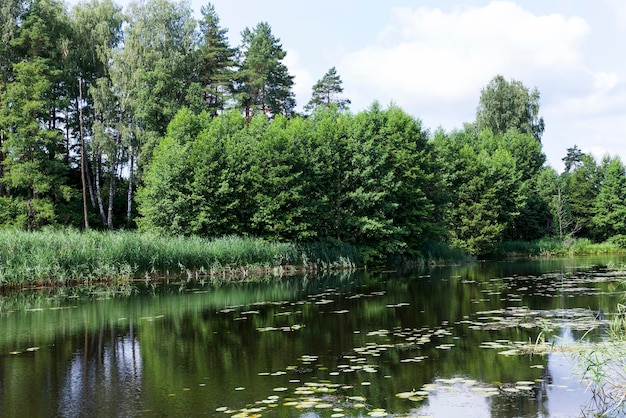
433 57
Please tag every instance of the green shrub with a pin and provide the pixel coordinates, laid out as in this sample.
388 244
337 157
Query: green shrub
619 241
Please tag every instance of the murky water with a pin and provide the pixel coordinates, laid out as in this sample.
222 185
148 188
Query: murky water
438 343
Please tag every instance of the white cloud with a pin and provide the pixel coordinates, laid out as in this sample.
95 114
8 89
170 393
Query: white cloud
430 53
605 80
302 78
619 12
433 63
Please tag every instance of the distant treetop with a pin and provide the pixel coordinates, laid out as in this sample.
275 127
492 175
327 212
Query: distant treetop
509 104
327 91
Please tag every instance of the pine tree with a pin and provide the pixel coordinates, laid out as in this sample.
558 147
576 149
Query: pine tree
217 62
327 91
264 83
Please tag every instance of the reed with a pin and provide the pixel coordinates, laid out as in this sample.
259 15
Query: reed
603 369
62 256
547 247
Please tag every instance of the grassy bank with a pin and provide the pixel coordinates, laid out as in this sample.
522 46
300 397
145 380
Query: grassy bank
553 247
66 256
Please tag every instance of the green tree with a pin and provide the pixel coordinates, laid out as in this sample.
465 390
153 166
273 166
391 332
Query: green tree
31 147
165 201
582 188
550 191
10 15
506 104
264 83
220 158
158 46
329 162
217 62
573 158
370 185
152 77
484 189
277 175
533 211
406 146
31 140
97 34
610 204
327 91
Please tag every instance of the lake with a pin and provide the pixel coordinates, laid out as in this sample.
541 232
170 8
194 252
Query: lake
439 342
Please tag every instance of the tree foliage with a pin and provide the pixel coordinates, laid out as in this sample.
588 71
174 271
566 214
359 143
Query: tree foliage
609 207
103 107
264 82
217 62
356 179
31 142
485 188
508 105
582 188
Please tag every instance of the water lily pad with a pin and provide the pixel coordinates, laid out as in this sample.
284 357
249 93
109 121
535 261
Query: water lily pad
510 390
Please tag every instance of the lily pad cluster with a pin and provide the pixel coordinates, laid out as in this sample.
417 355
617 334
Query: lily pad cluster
522 317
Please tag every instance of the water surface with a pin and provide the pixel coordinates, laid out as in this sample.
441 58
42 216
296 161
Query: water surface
428 343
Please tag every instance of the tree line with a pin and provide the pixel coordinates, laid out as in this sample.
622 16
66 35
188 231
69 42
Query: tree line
149 118
85 96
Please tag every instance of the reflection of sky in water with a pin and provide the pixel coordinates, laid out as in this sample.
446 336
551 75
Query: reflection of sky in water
566 337
561 395
561 400
462 403
111 372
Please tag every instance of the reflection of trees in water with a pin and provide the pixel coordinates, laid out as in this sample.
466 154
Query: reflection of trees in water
105 377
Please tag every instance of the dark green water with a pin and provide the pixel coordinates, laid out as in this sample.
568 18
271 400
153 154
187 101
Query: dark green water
324 346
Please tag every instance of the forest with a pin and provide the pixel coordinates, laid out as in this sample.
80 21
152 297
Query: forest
147 118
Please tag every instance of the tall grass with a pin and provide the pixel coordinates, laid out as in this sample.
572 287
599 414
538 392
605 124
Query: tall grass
60 256
554 247
603 368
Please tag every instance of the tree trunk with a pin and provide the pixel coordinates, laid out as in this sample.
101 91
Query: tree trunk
82 154
3 190
129 197
66 158
92 196
99 189
111 197
112 181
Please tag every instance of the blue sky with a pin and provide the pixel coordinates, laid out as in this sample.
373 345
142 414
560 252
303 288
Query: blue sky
432 57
